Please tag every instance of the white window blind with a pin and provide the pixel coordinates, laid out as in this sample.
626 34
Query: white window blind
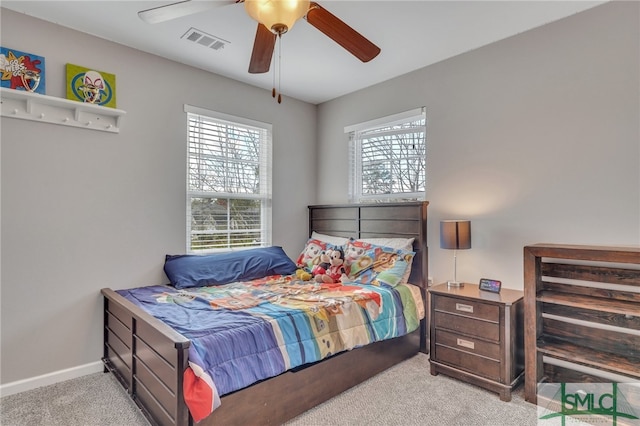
228 182
387 158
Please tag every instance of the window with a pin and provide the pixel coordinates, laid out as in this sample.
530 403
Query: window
228 182
388 158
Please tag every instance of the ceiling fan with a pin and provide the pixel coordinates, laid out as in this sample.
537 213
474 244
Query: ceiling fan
274 17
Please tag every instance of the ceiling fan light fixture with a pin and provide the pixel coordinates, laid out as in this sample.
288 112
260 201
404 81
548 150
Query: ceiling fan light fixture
279 16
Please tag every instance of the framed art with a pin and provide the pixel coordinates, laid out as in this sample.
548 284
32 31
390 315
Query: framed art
91 86
22 71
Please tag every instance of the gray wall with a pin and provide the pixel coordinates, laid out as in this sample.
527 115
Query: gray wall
82 209
534 138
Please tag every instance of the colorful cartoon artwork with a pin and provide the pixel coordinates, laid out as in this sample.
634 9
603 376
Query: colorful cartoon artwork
91 86
22 71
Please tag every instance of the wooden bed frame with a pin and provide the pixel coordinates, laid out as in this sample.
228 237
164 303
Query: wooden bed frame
148 357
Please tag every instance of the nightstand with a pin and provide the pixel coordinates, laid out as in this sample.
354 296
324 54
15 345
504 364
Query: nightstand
477 336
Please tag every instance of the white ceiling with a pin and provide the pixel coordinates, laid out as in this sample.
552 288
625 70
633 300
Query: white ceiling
411 34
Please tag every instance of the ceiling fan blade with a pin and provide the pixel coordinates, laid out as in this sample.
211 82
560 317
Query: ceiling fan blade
178 10
341 33
262 50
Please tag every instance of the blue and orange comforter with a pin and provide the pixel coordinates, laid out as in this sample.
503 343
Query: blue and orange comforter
249 331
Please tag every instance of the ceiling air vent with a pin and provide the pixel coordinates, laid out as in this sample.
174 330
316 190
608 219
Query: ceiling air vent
204 39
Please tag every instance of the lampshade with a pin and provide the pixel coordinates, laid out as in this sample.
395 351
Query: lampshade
455 234
277 15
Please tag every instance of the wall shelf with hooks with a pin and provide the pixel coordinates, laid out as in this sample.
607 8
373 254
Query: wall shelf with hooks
48 109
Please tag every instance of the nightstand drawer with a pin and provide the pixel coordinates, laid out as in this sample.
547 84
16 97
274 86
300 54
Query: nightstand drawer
468 344
468 308
475 364
483 329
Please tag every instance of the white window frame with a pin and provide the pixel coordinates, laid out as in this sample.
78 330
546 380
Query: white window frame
358 134
265 167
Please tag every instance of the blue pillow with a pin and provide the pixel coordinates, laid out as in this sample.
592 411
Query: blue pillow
191 270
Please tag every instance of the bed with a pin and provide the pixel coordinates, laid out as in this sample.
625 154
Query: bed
150 358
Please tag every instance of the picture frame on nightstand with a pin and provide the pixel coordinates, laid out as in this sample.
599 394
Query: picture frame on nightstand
490 285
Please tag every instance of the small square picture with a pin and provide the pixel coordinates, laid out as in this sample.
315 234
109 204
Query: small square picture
91 86
22 71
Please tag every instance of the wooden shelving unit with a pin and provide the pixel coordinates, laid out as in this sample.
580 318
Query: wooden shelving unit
65 112
582 315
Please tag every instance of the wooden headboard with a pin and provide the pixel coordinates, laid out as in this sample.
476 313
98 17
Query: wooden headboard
383 220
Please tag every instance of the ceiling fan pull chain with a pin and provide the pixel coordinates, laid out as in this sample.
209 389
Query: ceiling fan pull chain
279 68
273 91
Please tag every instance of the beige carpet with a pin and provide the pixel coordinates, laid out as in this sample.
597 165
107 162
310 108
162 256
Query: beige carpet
403 395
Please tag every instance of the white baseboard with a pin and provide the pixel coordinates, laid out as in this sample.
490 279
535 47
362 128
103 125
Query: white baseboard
50 378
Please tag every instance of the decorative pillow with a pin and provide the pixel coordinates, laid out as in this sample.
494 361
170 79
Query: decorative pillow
373 264
331 239
396 243
189 270
310 255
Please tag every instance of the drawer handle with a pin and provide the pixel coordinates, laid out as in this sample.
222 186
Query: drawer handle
465 343
464 308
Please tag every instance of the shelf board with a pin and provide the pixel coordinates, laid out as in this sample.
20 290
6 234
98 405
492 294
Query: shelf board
25 105
624 365
587 302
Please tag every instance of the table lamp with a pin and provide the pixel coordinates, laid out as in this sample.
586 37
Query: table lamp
455 235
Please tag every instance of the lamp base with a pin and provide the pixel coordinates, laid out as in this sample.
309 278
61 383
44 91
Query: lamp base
455 284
